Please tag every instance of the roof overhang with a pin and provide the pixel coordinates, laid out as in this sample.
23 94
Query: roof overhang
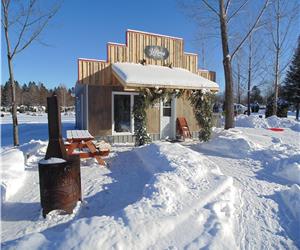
132 75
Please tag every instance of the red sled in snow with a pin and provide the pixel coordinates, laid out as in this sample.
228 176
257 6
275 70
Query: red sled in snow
276 129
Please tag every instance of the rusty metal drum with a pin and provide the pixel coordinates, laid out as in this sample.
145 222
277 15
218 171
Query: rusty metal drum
60 184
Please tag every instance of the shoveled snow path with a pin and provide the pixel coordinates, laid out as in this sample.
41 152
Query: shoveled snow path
258 219
262 223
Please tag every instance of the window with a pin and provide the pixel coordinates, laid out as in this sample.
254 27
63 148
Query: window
122 112
167 108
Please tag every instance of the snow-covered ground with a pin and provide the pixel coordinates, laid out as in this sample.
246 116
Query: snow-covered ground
32 127
238 191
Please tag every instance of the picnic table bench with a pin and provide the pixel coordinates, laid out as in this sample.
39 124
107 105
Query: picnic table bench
81 142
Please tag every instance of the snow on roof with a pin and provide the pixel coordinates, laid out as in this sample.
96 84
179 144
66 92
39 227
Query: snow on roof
138 75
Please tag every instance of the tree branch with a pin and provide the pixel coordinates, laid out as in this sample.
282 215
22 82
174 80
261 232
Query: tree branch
290 20
237 11
34 36
252 28
31 4
227 6
5 4
38 30
211 8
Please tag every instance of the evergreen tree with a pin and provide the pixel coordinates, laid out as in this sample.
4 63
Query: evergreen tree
140 117
291 87
43 93
282 104
5 95
33 94
255 95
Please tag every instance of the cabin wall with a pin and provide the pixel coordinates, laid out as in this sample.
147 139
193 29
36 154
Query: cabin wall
100 112
79 105
137 41
153 119
99 72
93 72
185 109
190 62
210 75
100 109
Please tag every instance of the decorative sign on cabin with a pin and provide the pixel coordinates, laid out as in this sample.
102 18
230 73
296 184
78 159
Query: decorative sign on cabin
156 52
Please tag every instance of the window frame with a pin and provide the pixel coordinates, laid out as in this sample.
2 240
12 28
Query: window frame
131 94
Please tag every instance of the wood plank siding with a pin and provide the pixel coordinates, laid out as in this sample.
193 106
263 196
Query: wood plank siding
98 72
210 75
184 109
153 119
100 109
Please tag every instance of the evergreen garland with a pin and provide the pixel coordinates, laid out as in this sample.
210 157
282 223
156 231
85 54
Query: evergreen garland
140 121
203 103
147 98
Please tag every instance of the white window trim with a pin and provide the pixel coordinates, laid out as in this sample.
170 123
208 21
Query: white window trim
131 94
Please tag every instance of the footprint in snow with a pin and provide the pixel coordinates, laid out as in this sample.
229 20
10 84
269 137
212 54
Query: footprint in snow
276 140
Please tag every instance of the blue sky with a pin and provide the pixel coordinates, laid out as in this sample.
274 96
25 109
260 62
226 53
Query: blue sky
82 28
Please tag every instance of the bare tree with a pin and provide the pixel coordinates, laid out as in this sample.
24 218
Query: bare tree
26 21
249 62
224 14
256 57
238 80
283 14
238 75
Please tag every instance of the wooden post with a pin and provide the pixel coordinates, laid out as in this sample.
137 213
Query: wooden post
56 146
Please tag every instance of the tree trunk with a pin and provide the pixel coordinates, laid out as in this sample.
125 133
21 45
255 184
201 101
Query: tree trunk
297 111
229 114
276 82
277 77
249 74
13 91
239 81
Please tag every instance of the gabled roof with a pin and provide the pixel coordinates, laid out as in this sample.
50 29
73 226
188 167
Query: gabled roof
138 75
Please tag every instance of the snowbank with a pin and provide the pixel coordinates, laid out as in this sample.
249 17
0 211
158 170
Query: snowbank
13 164
12 172
279 159
291 198
158 196
232 143
289 169
254 121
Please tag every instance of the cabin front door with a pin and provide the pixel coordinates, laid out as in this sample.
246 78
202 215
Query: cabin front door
167 119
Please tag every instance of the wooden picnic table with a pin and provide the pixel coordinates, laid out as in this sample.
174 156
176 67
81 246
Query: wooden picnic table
80 140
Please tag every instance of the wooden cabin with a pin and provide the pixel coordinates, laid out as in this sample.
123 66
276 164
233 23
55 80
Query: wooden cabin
106 89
